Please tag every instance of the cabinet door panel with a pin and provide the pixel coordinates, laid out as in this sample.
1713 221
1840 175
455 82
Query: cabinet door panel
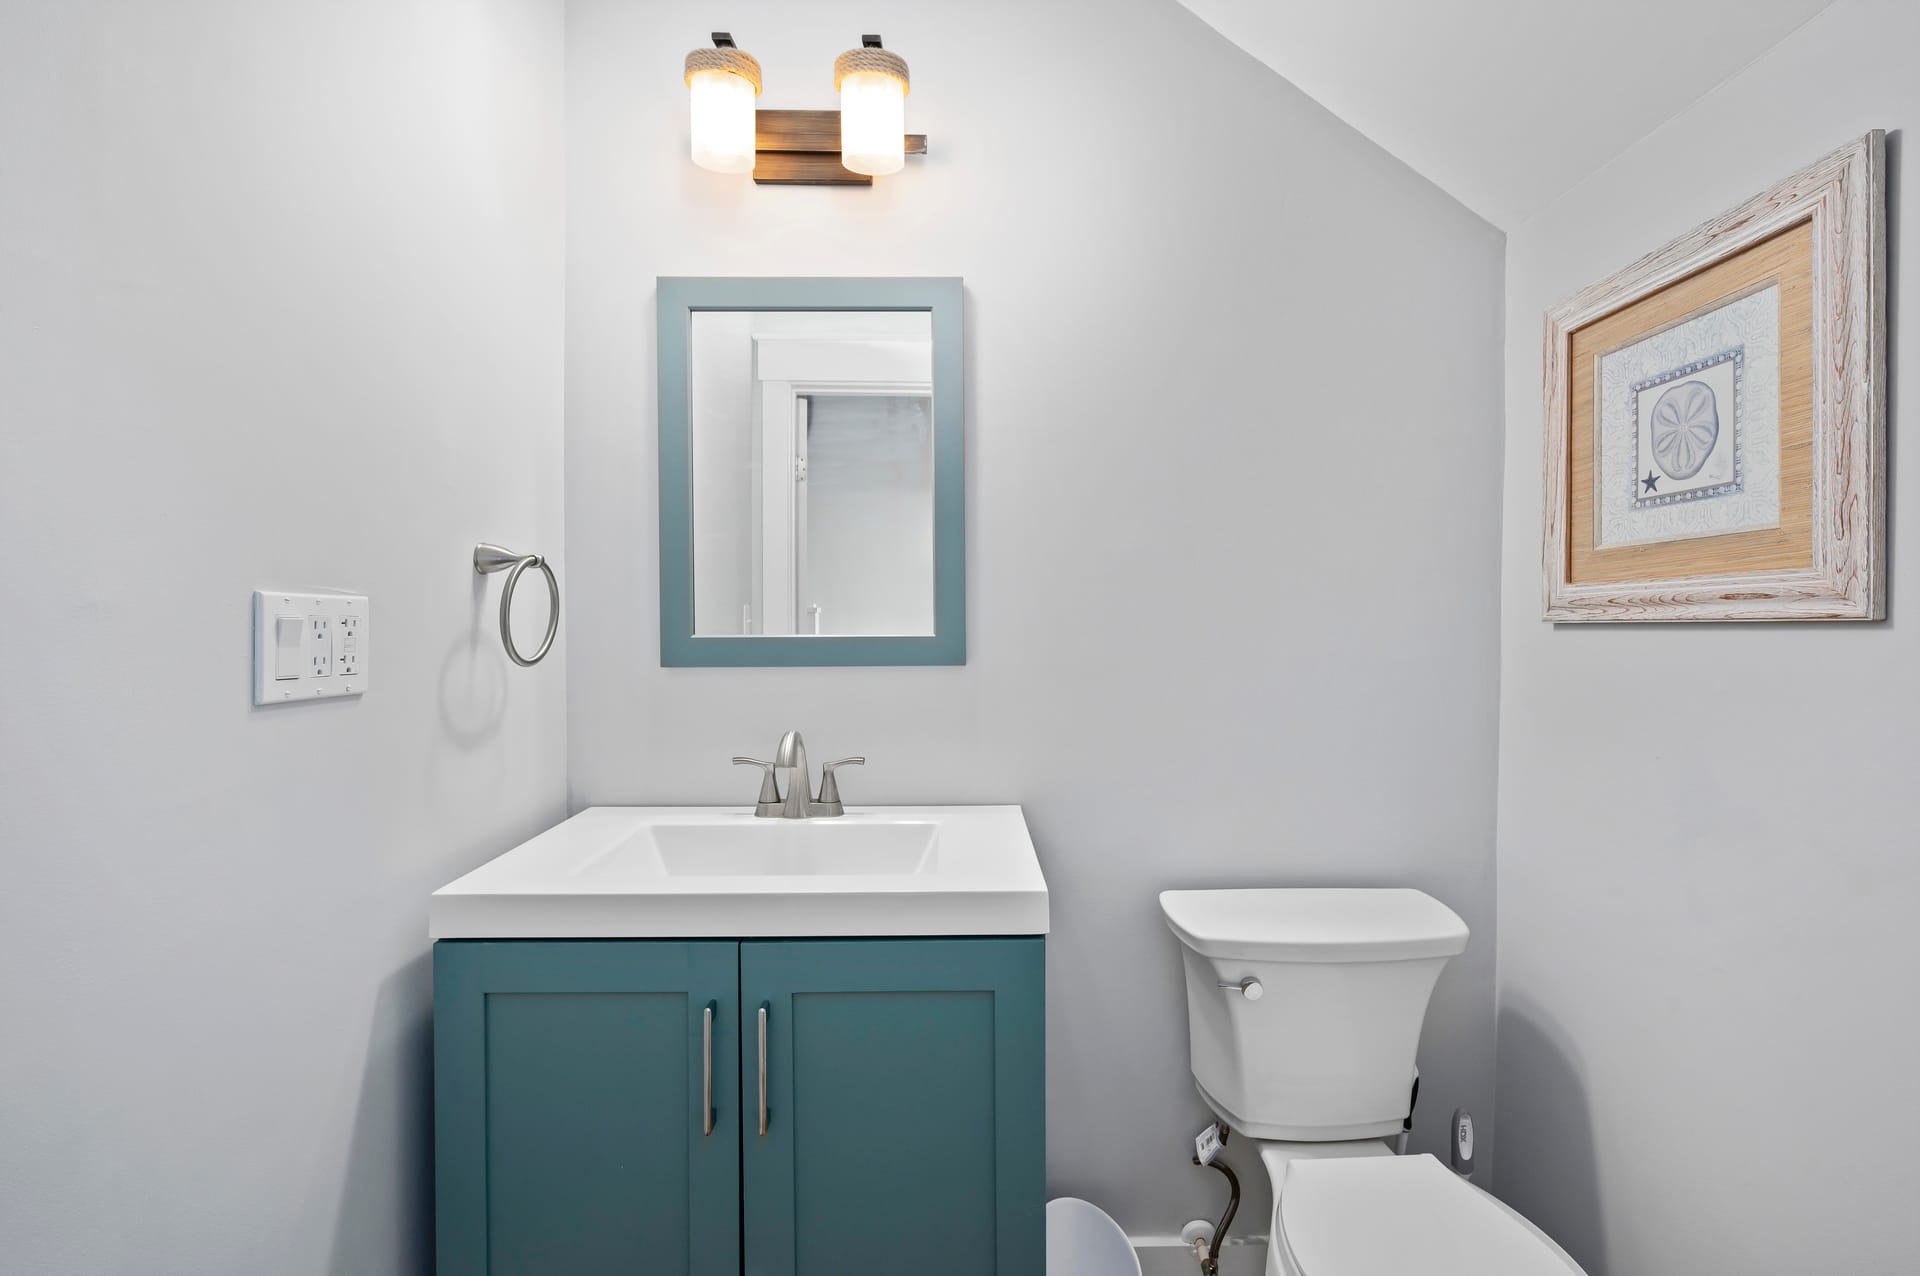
906 1108
569 1094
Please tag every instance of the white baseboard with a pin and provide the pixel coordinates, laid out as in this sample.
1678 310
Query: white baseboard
1168 1256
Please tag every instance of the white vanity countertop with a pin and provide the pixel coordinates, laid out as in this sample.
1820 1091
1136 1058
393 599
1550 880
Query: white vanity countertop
692 872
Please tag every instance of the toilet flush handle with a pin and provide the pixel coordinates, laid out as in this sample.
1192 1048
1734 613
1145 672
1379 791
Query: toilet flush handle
1249 988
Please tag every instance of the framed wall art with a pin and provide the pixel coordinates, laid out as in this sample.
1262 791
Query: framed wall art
1716 416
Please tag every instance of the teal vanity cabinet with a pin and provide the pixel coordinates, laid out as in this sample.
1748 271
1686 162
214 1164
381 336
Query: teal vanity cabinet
877 1107
571 1131
906 1109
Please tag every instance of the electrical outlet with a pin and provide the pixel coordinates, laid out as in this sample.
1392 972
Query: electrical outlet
346 646
309 646
320 646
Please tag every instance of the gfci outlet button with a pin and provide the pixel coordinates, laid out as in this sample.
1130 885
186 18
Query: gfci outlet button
287 658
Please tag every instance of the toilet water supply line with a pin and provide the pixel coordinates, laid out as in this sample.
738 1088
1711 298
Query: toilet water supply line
1206 1151
1406 1126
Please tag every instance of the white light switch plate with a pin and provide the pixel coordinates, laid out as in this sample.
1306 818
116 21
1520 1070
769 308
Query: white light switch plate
308 646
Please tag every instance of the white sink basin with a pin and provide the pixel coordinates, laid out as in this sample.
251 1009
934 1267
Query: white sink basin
702 872
789 848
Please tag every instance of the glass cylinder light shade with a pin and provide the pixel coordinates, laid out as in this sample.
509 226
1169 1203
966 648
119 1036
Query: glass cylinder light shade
723 84
873 111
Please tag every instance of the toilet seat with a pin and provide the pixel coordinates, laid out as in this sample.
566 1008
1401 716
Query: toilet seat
1402 1216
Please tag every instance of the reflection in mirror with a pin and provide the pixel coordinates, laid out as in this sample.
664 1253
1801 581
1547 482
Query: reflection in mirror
812 447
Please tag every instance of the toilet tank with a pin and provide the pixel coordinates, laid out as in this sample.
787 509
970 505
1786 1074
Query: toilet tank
1323 1048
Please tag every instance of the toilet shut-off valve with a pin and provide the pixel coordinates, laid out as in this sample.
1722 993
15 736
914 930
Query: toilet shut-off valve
1207 1146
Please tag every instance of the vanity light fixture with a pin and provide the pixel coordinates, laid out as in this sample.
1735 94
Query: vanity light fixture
724 81
872 83
864 139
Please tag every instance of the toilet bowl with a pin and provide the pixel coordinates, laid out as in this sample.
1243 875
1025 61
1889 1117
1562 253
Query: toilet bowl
1304 1010
1371 1216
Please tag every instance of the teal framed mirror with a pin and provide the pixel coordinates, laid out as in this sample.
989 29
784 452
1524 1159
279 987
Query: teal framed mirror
812 472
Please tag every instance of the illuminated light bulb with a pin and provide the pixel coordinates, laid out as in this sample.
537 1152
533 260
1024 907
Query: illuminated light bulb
723 83
873 110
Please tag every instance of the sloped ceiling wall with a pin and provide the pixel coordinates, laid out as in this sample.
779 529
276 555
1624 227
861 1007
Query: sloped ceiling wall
1505 104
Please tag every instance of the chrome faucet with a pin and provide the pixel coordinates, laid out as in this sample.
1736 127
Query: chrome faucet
792 754
799 804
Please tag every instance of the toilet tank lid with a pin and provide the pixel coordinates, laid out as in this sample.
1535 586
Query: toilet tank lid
1315 923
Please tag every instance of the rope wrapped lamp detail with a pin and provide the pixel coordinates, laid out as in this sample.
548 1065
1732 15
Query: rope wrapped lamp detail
884 61
737 61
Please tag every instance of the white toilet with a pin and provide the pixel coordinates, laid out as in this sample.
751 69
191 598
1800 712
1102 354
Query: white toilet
1303 1013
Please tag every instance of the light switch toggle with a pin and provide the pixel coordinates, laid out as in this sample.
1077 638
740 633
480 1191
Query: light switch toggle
288 658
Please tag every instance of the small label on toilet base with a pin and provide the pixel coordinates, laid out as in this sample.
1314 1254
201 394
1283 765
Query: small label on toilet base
1206 1145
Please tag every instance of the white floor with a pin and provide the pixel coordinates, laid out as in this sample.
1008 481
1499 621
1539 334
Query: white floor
1166 1256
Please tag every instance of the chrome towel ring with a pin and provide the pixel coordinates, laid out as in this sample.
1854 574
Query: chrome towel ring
491 558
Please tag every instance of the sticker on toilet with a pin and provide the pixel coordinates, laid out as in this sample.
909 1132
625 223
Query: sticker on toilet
1206 1145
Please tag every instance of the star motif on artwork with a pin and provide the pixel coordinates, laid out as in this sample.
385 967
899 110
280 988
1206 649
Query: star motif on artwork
1651 482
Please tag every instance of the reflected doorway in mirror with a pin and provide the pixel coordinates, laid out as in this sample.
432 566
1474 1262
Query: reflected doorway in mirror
812 474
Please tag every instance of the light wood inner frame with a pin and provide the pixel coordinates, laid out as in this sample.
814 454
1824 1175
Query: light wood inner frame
1785 259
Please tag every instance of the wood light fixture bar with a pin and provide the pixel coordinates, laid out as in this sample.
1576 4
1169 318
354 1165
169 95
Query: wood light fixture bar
802 148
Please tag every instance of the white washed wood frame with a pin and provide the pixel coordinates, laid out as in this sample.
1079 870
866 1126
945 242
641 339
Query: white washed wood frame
1844 196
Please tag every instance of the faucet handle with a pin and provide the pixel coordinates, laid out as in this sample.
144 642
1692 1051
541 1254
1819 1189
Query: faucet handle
769 801
829 803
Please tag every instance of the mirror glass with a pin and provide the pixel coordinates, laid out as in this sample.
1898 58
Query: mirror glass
811 437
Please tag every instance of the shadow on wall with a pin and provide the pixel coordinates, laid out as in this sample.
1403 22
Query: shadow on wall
1546 1167
388 1190
474 692
473 678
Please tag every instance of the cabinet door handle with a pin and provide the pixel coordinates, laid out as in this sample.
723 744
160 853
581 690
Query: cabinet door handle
706 1069
763 1069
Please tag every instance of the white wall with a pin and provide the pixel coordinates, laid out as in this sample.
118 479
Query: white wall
282 306
1225 358
1709 1035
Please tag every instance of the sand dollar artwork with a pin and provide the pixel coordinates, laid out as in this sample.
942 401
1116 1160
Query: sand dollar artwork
1685 425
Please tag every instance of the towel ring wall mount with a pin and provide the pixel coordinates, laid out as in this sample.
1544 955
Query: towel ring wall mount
488 559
